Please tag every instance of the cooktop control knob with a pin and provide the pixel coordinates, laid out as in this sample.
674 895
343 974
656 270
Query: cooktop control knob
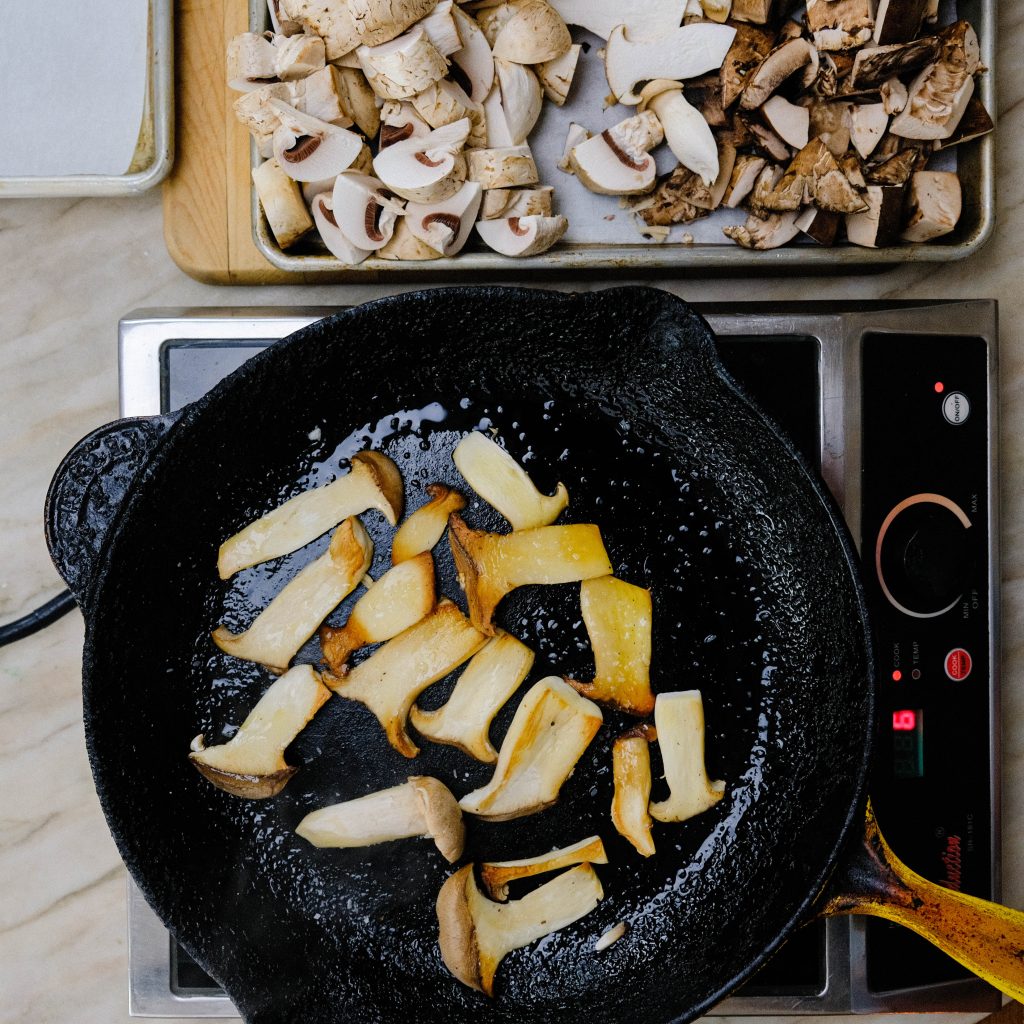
921 555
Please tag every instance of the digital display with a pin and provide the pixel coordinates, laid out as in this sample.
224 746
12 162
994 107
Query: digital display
908 743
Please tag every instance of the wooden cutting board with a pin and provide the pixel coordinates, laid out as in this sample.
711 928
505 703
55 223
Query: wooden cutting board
207 222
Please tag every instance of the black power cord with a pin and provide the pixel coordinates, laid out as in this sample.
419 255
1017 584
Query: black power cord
38 619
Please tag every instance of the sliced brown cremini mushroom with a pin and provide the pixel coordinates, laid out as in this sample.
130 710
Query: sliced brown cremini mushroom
975 123
251 62
814 177
556 76
790 122
878 225
684 52
425 527
298 56
420 808
749 48
372 482
868 123
618 617
491 565
294 615
840 24
759 12
475 60
741 181
521 98
309 149
487 683
535 33
791 57
502 167
365 210
402 67
686 131
874 65
617 162
426 170
281 200
765 140
764 186
496 875
894 95
251 764
821 225
476 934
390 680
404 245
631 771
764 233
679 719
337 242
705 93
504 484
550 730
899 21
398 600
934 204
446 225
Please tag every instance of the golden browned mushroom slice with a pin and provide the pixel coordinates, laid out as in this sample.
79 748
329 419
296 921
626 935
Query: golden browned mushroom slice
396 674
498 874
487 683
631 769
549 732
505 485
251 764
491 565
476 933
423 807
372 482
293 616
679 719
425 527
618 619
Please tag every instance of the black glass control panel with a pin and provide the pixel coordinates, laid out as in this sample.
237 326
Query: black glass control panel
925 547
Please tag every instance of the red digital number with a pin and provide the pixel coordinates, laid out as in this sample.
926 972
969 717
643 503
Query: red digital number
904 721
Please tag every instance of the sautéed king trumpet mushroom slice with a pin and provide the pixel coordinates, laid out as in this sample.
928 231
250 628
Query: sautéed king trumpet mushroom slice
505 485
293 616
498 874
395 674
491 565
618 620
372 482
679 719
485 686
422 807
425 527
551 729
476 933
251 764
398 600
631 770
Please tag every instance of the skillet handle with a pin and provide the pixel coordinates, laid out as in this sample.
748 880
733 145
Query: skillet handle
88 489
986 938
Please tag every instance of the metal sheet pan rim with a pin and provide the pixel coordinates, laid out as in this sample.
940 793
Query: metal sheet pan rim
670 256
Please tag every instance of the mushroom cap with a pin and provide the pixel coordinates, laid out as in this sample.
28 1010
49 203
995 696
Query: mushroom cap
251 62
534 34
442 814
605 168
364 210
556 76
446 225
456 934
427 169
309 149
475 59
498 131
502 167
333 237
402 67
522 236
521 98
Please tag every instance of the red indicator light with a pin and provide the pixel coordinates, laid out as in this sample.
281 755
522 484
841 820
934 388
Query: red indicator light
904 721
939 387
897 675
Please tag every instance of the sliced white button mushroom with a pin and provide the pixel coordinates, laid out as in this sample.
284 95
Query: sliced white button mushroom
869 123
294 615
487 683
534 34
281 25
404 245
379 21
332 20
446 225
446 102
529 202
496 875
441 29
254 111
359 100
333 237
321 95
576 134
475 933
312 189
372 482
421 808
309 149
298 56
364 210
550 730
251 764
399 121
426 170
618 617
402 67
789 121
631 771
556 75
616 162
474 60
679 719
390 680
502 167
521 98
251 62
493 16
426 526
282 203
685 52
497 130
522 236
398 600
504 484
686 131
934 204
646 19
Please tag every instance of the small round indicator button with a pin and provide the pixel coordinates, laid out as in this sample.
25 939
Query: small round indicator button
956 408
958 664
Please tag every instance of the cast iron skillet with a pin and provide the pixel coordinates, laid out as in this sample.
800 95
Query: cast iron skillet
757 602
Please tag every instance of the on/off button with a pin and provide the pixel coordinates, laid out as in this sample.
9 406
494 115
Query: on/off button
958 664
956 407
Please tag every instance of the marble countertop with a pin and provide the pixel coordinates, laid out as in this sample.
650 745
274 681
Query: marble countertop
70 270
